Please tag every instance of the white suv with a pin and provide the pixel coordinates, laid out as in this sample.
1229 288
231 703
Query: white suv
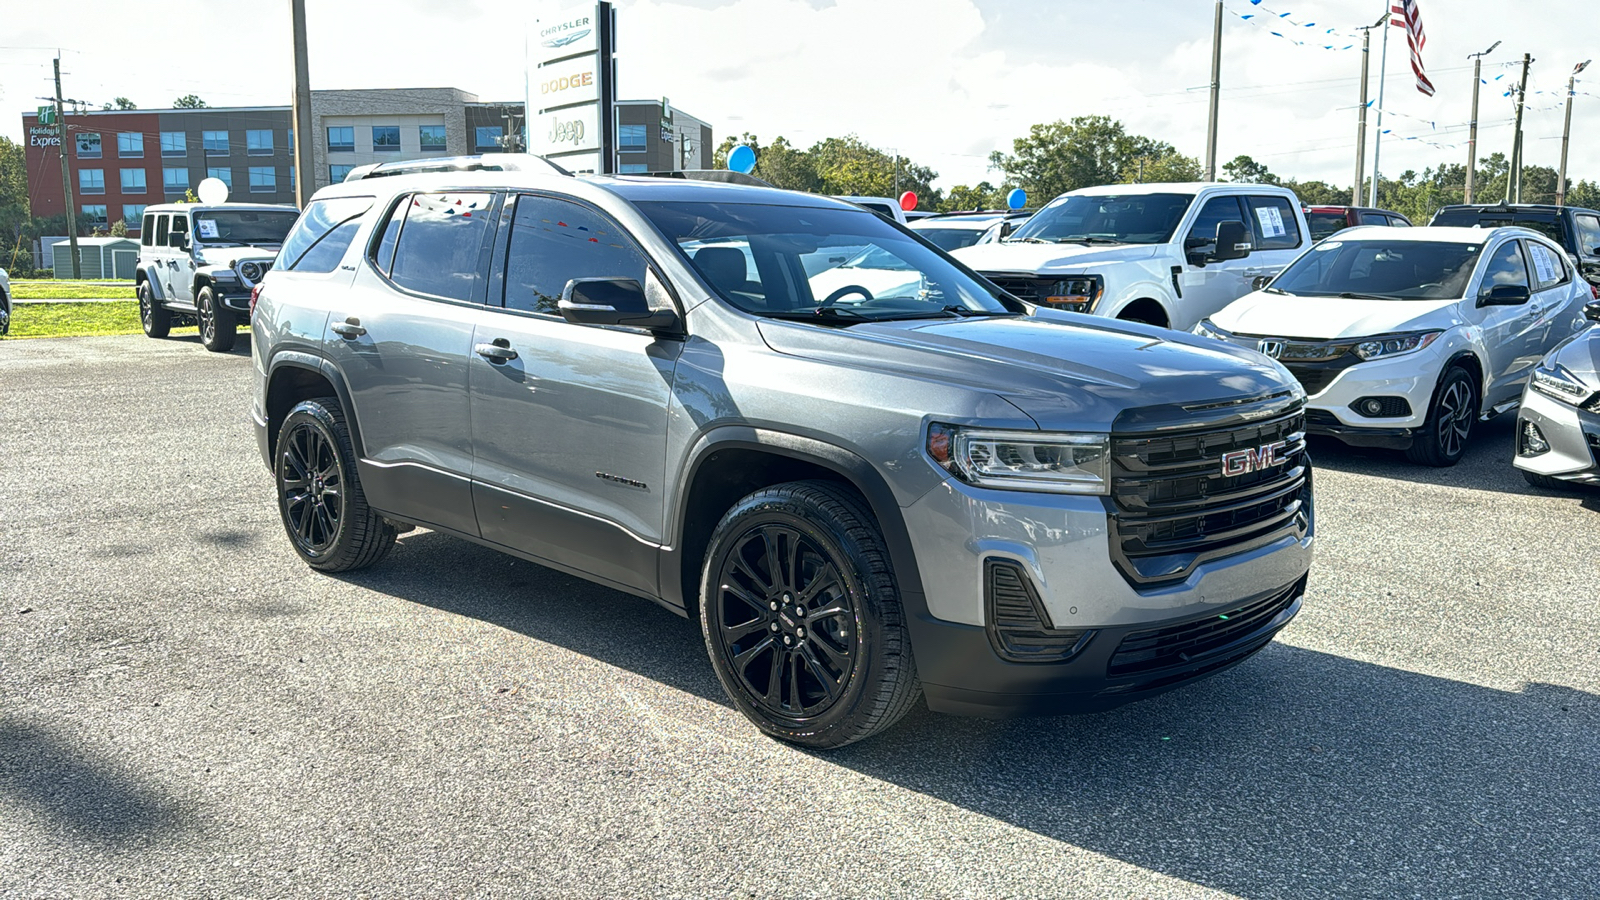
1165 254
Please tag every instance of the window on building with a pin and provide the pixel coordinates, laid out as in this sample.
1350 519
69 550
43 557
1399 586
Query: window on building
631 137
132 213
175 180
290 142
130 144
336 174
223 174
263 180
96 213
258 142
432 136
634 168
88 145
173 143
438 250
91 181
133 181
488 138
342 139
215 142
386 138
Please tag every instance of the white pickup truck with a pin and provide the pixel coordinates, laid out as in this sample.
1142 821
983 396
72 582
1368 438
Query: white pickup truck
1166 254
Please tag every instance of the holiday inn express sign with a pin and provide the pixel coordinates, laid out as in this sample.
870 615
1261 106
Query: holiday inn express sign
571 88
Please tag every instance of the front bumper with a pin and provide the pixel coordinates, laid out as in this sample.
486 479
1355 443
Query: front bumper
234 295
1411 377
1573 435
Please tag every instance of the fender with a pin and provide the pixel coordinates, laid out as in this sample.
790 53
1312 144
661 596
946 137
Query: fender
149 272
1157 291
312 362
854 469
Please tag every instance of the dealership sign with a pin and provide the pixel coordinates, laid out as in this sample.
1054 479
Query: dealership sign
570 88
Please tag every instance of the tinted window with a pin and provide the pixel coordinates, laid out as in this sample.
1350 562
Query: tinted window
554 241
320 237
1216 211
440 244
1382 269
1273 221
383 254
1399 222
1588 235
1505 267
161 231
952 238
146 232
1549 269
1546 224
1323 224
1109 218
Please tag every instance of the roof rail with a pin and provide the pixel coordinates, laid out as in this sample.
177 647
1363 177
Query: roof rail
725 176
486 162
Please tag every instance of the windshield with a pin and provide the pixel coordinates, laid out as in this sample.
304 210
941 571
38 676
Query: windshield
1121 219
833 265
240 226
953 238
1381 270
1324 224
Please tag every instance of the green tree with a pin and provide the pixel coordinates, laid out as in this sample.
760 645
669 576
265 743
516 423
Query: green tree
962 198
1060 156
849 165
189 101
119 228
1244 169
125 103
778 164
1318 193
1169 167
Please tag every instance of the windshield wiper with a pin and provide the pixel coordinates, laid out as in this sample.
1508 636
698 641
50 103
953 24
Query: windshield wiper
1347 295
1088 240
833 315
1026 240
1273 290
966 313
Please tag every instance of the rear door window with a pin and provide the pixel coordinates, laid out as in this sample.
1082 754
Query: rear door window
1548 267
1273 221
322 235
440 249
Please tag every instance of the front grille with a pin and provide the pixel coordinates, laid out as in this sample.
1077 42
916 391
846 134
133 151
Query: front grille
1315 377
1173 505
1023 287
1019 626
1195 643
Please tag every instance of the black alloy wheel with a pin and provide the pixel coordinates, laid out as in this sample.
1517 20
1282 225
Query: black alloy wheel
313 488
156 321
1442 440
785 622
320 499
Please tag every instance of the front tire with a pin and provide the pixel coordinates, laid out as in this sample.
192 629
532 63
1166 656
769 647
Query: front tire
218 330
802 617
156 320
1534 479
324 510
5 315
1442 439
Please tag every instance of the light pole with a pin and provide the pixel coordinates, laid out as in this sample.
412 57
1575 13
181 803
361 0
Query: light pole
1472 129
1514 174
1361 121
1216 87
1377 138
1566 133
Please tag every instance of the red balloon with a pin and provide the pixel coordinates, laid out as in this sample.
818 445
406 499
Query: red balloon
908 201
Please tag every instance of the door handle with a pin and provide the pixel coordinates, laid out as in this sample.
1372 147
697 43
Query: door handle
498 352
349 329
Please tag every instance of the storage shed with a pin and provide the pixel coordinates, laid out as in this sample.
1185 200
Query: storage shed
103 257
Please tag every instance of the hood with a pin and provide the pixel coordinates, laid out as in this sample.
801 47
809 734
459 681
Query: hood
1048 258
1327 318
1067 372
1580 355
222 256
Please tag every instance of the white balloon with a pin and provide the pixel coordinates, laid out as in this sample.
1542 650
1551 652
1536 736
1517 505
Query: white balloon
213 190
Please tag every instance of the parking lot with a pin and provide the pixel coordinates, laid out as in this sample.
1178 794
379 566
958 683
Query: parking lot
186 709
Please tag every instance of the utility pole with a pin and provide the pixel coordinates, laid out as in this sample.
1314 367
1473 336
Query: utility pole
1472 129
1361 122
305 178
1377 137
1514 174
1566 133
1216 87
66 177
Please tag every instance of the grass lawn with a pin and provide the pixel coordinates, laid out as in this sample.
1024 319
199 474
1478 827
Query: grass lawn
50 289
46 320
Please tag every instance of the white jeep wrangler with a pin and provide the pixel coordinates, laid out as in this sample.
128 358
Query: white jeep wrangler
1165 254
199 262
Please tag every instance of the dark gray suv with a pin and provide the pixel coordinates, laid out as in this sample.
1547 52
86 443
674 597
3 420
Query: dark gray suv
869 483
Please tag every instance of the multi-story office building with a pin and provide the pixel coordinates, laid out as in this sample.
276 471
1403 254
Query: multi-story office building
124 160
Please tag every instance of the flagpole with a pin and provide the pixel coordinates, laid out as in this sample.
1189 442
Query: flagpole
1377 137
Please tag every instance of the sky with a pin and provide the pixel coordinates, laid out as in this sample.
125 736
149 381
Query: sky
943 82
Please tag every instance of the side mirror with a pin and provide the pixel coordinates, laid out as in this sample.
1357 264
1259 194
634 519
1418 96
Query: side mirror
178 240
1505 295
1006 228
1591 310
612 301
1233 242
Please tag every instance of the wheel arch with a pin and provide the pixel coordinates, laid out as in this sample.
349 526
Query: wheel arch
1466 359
145 274
295 376
1149 306
732 462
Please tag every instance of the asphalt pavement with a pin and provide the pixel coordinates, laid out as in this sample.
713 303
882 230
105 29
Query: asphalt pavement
187 710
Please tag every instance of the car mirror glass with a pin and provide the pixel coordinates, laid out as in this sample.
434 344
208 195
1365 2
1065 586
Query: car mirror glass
1505 295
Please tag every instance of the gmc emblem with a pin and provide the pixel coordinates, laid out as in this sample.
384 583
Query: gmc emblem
1242 462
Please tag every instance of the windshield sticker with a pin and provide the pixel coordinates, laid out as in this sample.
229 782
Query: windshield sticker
1543 265
208 228
1329 245
1271 221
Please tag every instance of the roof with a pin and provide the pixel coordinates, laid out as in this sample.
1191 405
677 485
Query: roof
1453 234
97 241
1179 187
175 207
1512 208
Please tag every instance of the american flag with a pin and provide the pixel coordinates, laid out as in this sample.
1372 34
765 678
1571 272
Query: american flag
1405 14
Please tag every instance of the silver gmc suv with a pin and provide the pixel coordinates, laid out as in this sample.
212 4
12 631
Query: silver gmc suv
869 483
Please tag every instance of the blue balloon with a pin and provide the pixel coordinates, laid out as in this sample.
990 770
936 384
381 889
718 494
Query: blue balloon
742 158
1017 199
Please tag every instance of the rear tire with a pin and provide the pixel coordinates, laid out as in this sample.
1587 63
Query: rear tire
1442 439
156 321
802 618
218 330
320 500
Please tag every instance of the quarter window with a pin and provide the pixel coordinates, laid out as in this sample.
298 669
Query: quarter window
1272 219
440 244
322 235
130 144
174 143
215 142
554 241
1506 266
147 233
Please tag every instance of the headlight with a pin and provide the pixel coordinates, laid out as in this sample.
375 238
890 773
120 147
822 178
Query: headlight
1560 384
251 270
1205 328
1075 293
1023 460
1394 344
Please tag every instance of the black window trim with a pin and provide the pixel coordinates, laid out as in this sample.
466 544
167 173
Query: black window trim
502 250
476 299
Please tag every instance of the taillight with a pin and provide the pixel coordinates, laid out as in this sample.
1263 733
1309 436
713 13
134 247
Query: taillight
255 294
1595 290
